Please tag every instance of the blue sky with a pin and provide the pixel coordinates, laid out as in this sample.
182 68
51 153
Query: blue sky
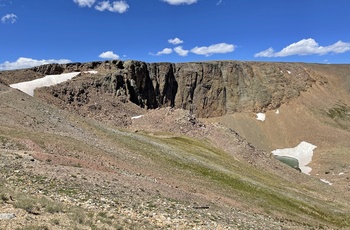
38 31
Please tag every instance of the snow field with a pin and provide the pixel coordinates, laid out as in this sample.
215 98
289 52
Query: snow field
303 153
28 87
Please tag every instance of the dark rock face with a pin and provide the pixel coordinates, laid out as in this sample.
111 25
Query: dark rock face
205 88
139 85
49 69
164 83
216 88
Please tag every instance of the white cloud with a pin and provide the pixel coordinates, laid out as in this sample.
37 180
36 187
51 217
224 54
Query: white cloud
180 51
213 49
117 6
179 2
306 47
9 18
23 62
84 3
164 51
109 55
266 53
175 41
102 6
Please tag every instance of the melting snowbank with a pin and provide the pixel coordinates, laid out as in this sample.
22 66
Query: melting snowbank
91 71
261 116
326 181
303 153
28 87
136 117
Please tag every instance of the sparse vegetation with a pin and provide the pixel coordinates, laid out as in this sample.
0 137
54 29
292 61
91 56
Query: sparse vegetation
339 111
37 205
61 170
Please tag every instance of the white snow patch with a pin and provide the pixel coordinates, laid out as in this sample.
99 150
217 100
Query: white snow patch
261 116
303 153
28 87
91 71
326 181
136 117
277 111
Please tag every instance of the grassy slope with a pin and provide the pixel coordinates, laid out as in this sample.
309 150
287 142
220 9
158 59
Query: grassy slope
204 165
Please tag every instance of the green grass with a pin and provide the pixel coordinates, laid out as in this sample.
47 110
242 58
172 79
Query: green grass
247 184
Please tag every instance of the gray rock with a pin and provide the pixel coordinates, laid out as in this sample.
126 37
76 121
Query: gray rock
7 216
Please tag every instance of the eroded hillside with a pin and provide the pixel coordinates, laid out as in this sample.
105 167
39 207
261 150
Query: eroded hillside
164 145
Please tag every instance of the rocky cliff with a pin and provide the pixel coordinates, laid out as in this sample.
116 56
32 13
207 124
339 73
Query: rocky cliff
205 88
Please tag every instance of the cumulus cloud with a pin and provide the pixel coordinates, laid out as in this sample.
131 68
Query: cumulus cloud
213 49
118 6
109 55
266 53
9 18
306 47
23 62
164 51
179 2
180 51
175 41
84 3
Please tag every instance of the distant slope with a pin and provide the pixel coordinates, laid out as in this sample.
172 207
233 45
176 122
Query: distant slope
320 115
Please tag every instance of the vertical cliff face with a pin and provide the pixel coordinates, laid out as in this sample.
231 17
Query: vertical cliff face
205 88
217 88
138 84
202 88
164 83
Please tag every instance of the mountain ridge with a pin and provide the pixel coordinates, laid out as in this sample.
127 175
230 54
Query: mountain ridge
207 88
88 144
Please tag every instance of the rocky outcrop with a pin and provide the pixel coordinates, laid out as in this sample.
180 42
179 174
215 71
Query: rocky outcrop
205 88
216 88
